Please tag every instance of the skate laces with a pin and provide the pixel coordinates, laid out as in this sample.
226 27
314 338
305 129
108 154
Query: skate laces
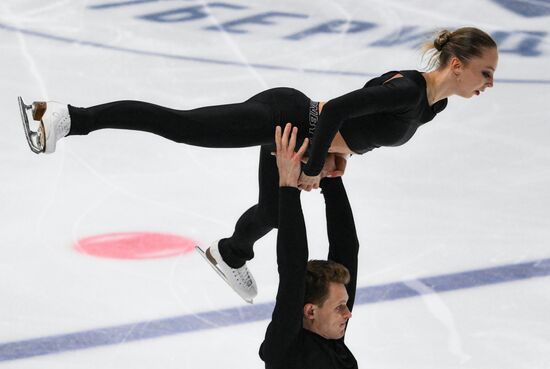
242 276
60 121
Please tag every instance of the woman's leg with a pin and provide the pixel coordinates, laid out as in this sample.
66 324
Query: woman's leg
249 123
293 106
234 125
257 221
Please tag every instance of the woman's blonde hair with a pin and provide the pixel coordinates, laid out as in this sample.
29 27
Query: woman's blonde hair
464 43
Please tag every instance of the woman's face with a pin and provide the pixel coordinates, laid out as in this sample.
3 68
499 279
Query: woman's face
477 75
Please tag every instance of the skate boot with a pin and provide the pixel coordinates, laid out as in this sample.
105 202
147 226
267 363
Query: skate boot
240 279
55 123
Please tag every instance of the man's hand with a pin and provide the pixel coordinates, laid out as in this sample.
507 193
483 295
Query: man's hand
288 161
335 165
340 162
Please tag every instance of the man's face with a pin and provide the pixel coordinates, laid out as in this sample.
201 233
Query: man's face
329 321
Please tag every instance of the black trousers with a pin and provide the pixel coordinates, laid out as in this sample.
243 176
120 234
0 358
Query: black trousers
250 123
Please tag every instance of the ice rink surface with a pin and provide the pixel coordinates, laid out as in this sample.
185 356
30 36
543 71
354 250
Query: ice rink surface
453 226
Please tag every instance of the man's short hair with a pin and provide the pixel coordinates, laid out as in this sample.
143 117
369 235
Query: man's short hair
319 274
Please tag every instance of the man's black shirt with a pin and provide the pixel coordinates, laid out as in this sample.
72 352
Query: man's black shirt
287 344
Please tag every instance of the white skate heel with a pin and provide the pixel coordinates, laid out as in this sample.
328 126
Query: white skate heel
55 123
240 280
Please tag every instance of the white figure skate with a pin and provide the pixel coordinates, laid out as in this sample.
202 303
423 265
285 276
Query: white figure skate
240 280
55 123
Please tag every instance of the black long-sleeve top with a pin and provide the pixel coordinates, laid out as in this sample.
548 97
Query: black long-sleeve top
287 344
382 113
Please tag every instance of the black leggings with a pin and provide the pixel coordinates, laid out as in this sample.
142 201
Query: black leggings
251 123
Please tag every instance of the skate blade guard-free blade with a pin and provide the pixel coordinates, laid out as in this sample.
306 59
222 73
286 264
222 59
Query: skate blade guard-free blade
220 273
33 138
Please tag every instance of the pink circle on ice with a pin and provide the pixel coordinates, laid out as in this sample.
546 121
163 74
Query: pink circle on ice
135 245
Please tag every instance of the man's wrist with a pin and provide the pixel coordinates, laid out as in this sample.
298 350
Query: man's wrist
288 184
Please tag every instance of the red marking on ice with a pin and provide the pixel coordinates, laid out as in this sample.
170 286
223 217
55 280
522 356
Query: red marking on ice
135 245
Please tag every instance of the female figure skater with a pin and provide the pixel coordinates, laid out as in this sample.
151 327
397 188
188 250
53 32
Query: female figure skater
387 111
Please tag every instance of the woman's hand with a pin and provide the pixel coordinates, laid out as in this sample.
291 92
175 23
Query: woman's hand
308 183
288 161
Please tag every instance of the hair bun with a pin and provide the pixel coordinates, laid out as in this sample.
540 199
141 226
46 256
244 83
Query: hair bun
442 38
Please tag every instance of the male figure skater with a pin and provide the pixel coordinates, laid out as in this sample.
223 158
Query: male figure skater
315 298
